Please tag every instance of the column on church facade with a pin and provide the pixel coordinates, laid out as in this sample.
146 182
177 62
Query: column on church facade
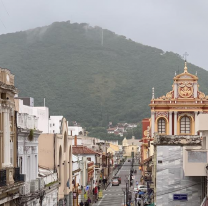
195 90
196 122
175 122
170 122
153 123
175 90
6 138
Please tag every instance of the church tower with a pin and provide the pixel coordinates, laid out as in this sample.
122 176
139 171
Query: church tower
176 113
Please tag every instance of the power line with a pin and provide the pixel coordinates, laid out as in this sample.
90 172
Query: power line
2 23
4 7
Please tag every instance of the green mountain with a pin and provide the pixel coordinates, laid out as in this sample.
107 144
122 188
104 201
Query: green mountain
85 81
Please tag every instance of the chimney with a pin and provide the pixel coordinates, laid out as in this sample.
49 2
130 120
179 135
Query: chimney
75 140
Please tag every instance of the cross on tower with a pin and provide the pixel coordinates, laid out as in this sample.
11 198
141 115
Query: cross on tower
185 56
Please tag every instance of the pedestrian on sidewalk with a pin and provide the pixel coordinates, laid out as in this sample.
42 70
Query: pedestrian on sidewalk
89 201
81 204
137 183
96 193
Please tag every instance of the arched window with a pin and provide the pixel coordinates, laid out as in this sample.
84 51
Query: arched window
185 125
161 126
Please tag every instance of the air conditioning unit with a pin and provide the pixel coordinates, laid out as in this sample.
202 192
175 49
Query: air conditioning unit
25 189
41 183
23 177
34 185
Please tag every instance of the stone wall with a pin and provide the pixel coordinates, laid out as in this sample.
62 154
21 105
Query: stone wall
170 179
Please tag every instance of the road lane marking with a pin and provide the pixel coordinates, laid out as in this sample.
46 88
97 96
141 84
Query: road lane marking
102 199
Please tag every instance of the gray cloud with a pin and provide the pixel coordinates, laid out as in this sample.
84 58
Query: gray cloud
175 25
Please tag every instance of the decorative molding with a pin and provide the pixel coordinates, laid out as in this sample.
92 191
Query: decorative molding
27 149
20 150
185 108
185 77
185 89
161 114
34 149
185 113
201 95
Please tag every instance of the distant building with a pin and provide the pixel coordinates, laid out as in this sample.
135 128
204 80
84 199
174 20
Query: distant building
55 124
75 130
131 146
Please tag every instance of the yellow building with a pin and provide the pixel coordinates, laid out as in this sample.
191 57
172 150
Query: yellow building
130 146
113 148
176 113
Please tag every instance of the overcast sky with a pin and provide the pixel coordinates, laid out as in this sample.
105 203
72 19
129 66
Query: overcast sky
171 25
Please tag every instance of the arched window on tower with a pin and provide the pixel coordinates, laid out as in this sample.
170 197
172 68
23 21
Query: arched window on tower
185 125
161 126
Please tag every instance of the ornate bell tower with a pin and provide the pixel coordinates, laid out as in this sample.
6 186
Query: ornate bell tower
176 113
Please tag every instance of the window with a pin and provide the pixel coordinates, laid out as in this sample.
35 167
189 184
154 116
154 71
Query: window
185 126
161 126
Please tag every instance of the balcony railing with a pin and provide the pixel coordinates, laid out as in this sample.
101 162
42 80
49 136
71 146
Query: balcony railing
2 177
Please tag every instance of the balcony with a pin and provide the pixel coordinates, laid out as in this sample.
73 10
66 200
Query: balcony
27 121
10 179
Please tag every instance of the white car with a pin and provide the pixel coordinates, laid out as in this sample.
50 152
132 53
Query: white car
142 188
135 189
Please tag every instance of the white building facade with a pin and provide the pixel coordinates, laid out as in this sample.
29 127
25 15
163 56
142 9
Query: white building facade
29 128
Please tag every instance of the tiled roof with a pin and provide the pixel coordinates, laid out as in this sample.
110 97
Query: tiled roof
82 150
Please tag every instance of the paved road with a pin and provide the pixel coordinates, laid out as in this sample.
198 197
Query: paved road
113 195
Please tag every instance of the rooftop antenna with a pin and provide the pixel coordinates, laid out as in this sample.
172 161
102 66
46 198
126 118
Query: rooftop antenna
175 73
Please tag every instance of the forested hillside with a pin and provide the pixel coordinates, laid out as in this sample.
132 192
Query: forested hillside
85 81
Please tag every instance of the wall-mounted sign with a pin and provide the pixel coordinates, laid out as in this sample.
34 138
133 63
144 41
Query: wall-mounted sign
181 197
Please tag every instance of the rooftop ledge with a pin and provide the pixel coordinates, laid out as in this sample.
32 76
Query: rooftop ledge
181 140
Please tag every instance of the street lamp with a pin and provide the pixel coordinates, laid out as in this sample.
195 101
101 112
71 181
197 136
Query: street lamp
124 189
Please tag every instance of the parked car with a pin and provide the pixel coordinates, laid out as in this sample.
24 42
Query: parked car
136 189
115 182
142 188
118 178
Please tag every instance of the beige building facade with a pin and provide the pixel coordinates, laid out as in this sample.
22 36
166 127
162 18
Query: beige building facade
9 172
55 152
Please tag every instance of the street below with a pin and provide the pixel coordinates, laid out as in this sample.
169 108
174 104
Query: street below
113 195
